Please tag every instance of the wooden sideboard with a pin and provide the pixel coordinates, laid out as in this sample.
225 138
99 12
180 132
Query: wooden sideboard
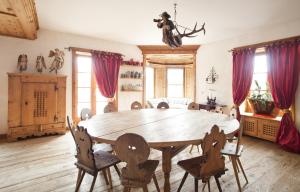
260 126
36 105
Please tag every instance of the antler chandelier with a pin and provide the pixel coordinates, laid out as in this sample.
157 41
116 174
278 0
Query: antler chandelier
168 26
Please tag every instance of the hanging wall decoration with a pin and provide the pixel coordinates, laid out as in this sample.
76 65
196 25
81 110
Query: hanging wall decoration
212 76
22 62
40 64
58 61
171 34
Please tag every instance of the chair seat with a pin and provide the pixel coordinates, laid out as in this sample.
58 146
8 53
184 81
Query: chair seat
230 149
104 159
103 147
192 166
147 167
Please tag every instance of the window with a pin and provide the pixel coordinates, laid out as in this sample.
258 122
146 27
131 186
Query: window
260 73
149 83
175 82
86 93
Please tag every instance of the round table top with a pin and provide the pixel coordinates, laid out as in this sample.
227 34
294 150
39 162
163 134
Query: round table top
159 127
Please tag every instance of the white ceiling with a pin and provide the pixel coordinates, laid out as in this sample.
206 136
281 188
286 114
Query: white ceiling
131 21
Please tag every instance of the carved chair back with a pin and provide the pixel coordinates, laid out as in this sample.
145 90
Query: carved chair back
193 106
134 150
85 114
136 105
163 105
109 108
84 147
211 146
71 127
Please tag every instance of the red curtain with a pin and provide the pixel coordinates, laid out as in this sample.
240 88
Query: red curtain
106 67
283 74
242 76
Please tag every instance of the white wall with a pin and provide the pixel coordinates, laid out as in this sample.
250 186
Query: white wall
217 55
11 48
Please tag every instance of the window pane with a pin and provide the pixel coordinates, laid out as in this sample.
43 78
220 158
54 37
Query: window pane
99 96
84 95
175 91
80 106
84 64
100 107
260 64
149 82
175 76
84 80
261 79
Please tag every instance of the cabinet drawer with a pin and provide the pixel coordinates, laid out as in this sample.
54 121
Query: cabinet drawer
268 129
23 131
250 126
53 128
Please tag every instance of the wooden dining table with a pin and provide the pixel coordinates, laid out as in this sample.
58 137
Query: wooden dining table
167 130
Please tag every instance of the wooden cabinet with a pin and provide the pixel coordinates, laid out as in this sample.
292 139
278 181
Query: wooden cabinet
260 126
36 105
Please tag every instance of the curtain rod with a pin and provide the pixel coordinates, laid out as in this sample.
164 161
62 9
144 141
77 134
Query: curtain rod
264 44
88 50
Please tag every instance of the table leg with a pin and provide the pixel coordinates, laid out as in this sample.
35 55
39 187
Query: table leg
167 166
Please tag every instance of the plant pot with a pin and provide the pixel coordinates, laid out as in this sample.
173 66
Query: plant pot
262 107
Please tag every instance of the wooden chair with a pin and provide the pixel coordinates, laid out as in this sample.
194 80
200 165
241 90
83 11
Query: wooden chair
134 150
163 105
96 147
193 106
136 105
91 162
234 149
85 114
109 108
210 164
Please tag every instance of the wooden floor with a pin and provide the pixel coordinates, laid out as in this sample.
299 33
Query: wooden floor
47 164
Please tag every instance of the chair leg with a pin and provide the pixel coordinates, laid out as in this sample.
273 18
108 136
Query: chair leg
234 165
240 164
80 180
93 183
218 184
191 148
145 188
117 170
109 178
203 187
105 176
208 184
182 181
198 148
196 184
78 176
155 182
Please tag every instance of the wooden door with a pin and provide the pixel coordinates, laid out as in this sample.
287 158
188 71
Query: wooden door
39 103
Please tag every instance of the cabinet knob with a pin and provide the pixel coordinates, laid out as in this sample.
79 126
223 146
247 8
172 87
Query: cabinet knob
26 103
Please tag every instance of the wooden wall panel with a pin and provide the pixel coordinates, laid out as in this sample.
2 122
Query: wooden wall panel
160 83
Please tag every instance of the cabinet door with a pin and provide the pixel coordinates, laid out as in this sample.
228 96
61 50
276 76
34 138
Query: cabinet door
267 129
39 103
250 126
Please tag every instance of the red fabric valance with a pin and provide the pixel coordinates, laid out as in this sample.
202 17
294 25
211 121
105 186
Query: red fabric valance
106 67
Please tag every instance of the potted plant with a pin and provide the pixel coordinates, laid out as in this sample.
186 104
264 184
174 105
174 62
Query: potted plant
262 101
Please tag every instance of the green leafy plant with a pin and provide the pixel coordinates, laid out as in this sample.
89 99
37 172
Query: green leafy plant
262 101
